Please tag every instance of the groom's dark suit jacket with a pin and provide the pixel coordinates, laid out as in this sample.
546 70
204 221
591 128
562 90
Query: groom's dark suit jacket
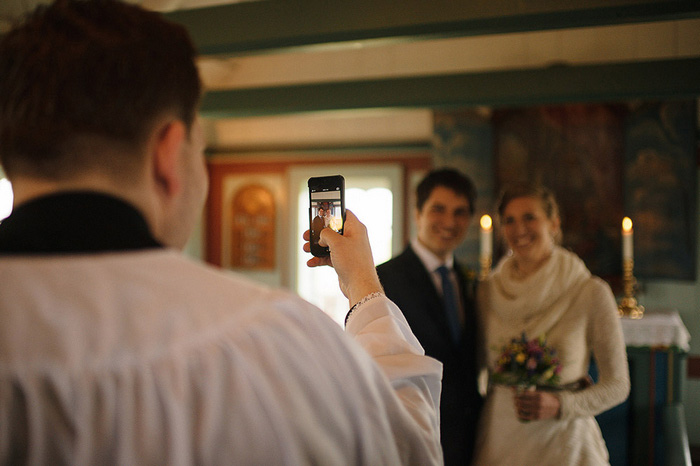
408 284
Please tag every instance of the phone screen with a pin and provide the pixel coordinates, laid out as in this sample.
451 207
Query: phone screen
326 208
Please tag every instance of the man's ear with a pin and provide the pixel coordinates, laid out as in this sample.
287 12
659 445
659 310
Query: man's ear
166 156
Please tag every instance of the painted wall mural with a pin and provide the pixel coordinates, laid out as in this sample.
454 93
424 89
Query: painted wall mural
604 161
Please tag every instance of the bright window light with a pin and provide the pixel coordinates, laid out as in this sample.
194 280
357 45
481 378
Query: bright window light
6 198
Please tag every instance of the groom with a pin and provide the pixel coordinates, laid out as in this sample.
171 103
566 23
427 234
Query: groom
428 285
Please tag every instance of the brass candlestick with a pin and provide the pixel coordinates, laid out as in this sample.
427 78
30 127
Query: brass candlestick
628 305
485 263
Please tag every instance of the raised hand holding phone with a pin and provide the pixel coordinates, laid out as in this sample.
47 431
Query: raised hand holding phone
351 257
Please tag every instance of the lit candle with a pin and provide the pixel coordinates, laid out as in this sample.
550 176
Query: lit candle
486 236
627 252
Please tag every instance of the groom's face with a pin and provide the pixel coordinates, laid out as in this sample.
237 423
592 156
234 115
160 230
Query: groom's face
443 220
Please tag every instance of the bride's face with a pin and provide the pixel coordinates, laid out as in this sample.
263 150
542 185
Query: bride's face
527 229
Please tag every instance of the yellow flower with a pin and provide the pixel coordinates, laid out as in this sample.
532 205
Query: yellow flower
520 358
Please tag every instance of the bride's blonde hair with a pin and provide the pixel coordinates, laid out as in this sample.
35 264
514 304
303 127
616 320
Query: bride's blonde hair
537 191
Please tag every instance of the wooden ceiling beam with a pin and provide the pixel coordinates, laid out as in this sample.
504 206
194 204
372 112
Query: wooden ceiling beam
661 79
271 25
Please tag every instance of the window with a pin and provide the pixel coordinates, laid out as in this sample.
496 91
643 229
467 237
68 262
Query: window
373 193
6 196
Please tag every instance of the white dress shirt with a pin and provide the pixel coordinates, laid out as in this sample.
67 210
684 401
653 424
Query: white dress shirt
432 263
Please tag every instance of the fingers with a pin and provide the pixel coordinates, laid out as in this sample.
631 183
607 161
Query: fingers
352 224
527 411
351 257
537 405
352 227
319 261
316 261
524 408
525 415
325 234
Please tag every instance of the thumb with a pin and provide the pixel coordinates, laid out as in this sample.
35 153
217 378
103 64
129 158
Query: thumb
349 226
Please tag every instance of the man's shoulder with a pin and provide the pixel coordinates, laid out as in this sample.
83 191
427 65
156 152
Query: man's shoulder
404 275
199 285
407 258
170 299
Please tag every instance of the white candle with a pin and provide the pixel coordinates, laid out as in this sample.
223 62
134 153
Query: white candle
627 250
486 236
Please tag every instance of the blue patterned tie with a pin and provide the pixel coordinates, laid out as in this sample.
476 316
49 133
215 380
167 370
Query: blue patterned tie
450 301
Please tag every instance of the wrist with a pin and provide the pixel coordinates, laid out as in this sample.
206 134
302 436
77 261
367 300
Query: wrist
358 291
365 299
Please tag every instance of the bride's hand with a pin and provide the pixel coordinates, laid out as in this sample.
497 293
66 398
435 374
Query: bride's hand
537 405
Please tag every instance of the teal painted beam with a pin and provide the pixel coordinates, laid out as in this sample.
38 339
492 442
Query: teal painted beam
277 24
679 78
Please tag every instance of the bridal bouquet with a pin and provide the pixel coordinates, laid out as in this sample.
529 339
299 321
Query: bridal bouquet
527 363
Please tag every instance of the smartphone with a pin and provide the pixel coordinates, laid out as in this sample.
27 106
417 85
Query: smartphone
326 208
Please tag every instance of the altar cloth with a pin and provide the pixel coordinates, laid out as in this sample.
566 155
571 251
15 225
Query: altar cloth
658 328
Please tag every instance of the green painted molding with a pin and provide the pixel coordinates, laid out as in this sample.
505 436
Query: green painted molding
277 24
662 79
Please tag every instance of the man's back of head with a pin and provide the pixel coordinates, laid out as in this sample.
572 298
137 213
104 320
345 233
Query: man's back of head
78 77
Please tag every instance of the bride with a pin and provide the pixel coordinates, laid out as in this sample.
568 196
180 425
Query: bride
543 290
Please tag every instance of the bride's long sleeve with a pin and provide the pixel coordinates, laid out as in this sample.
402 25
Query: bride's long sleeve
604 336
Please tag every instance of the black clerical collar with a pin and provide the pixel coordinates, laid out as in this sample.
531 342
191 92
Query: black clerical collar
74 222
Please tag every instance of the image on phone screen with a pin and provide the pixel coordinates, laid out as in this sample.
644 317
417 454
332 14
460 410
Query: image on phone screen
326 208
